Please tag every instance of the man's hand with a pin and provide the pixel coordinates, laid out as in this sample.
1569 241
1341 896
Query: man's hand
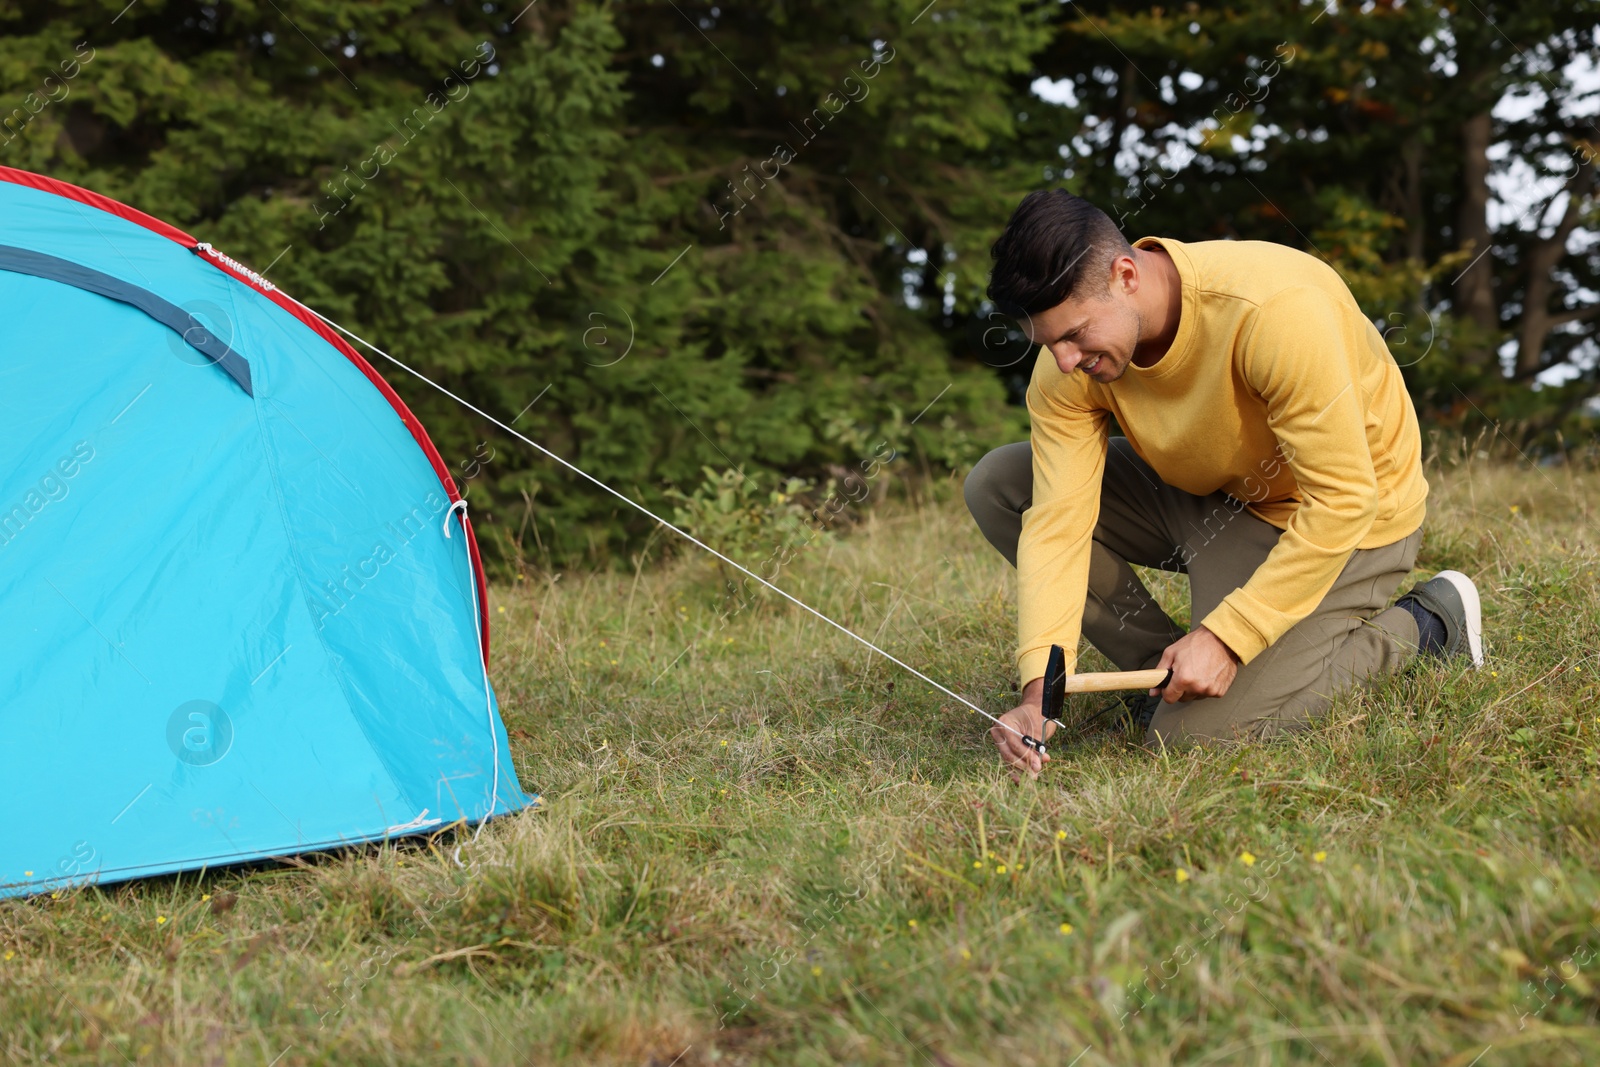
1025 718
1201 665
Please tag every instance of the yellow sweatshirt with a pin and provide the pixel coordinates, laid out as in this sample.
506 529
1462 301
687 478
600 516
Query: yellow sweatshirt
1278 391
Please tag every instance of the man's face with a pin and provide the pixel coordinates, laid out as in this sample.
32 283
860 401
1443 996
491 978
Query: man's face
1095 334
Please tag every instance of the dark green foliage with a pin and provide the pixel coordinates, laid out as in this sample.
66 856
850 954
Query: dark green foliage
668 236
1363 133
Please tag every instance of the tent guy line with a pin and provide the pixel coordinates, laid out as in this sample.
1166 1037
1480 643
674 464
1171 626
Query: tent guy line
640 507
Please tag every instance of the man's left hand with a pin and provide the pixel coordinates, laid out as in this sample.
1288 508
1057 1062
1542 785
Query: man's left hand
1201 665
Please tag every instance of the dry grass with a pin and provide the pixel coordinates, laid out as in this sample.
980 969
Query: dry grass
760 843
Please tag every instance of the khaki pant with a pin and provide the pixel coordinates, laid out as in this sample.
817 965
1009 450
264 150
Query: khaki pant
1347 640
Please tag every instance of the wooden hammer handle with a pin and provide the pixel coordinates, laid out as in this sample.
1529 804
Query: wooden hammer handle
1111 681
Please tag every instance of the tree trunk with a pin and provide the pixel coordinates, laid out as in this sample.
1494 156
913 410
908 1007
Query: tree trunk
1475 285
1537 317
1411 192
1119 121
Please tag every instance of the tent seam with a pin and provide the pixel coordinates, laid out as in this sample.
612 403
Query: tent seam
305 589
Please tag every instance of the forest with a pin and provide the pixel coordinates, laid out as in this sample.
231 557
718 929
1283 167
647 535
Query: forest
725 259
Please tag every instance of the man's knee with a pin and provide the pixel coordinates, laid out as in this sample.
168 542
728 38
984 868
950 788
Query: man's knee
976 488
1279 693
1003 479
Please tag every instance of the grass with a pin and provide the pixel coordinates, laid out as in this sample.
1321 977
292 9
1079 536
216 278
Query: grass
762 844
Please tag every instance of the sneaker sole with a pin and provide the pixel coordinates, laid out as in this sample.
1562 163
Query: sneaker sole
1474 609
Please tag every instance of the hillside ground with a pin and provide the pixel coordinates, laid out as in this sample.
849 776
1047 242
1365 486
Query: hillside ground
761 843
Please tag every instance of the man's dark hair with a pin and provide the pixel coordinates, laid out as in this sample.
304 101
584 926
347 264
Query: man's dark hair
1054 247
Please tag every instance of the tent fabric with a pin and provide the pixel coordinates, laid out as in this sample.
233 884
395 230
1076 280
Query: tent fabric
194 334
240 612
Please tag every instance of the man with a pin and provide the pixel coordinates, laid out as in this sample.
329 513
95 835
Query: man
1272 454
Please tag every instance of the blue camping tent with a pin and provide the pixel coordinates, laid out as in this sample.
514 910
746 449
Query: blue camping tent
241 612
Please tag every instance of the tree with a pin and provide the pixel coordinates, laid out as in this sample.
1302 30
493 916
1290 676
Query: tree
664 236
593 235
1368 134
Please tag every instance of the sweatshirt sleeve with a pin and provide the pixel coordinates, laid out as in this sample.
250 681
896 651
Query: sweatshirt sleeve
1069 456
1301 358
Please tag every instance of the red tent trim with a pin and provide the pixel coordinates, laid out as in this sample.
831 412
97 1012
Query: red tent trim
231 267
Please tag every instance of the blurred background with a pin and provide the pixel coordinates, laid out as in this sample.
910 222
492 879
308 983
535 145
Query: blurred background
724 256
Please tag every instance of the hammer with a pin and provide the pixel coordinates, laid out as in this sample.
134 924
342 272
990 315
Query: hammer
1058 683
1111 681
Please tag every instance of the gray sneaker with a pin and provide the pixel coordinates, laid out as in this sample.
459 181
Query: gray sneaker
1453 597
1141 708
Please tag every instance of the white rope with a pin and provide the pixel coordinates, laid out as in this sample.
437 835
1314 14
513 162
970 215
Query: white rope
634 504
420 822
459 511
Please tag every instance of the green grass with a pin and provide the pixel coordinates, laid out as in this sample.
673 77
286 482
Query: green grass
779 831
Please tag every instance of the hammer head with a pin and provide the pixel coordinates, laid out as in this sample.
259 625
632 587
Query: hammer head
1055 676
